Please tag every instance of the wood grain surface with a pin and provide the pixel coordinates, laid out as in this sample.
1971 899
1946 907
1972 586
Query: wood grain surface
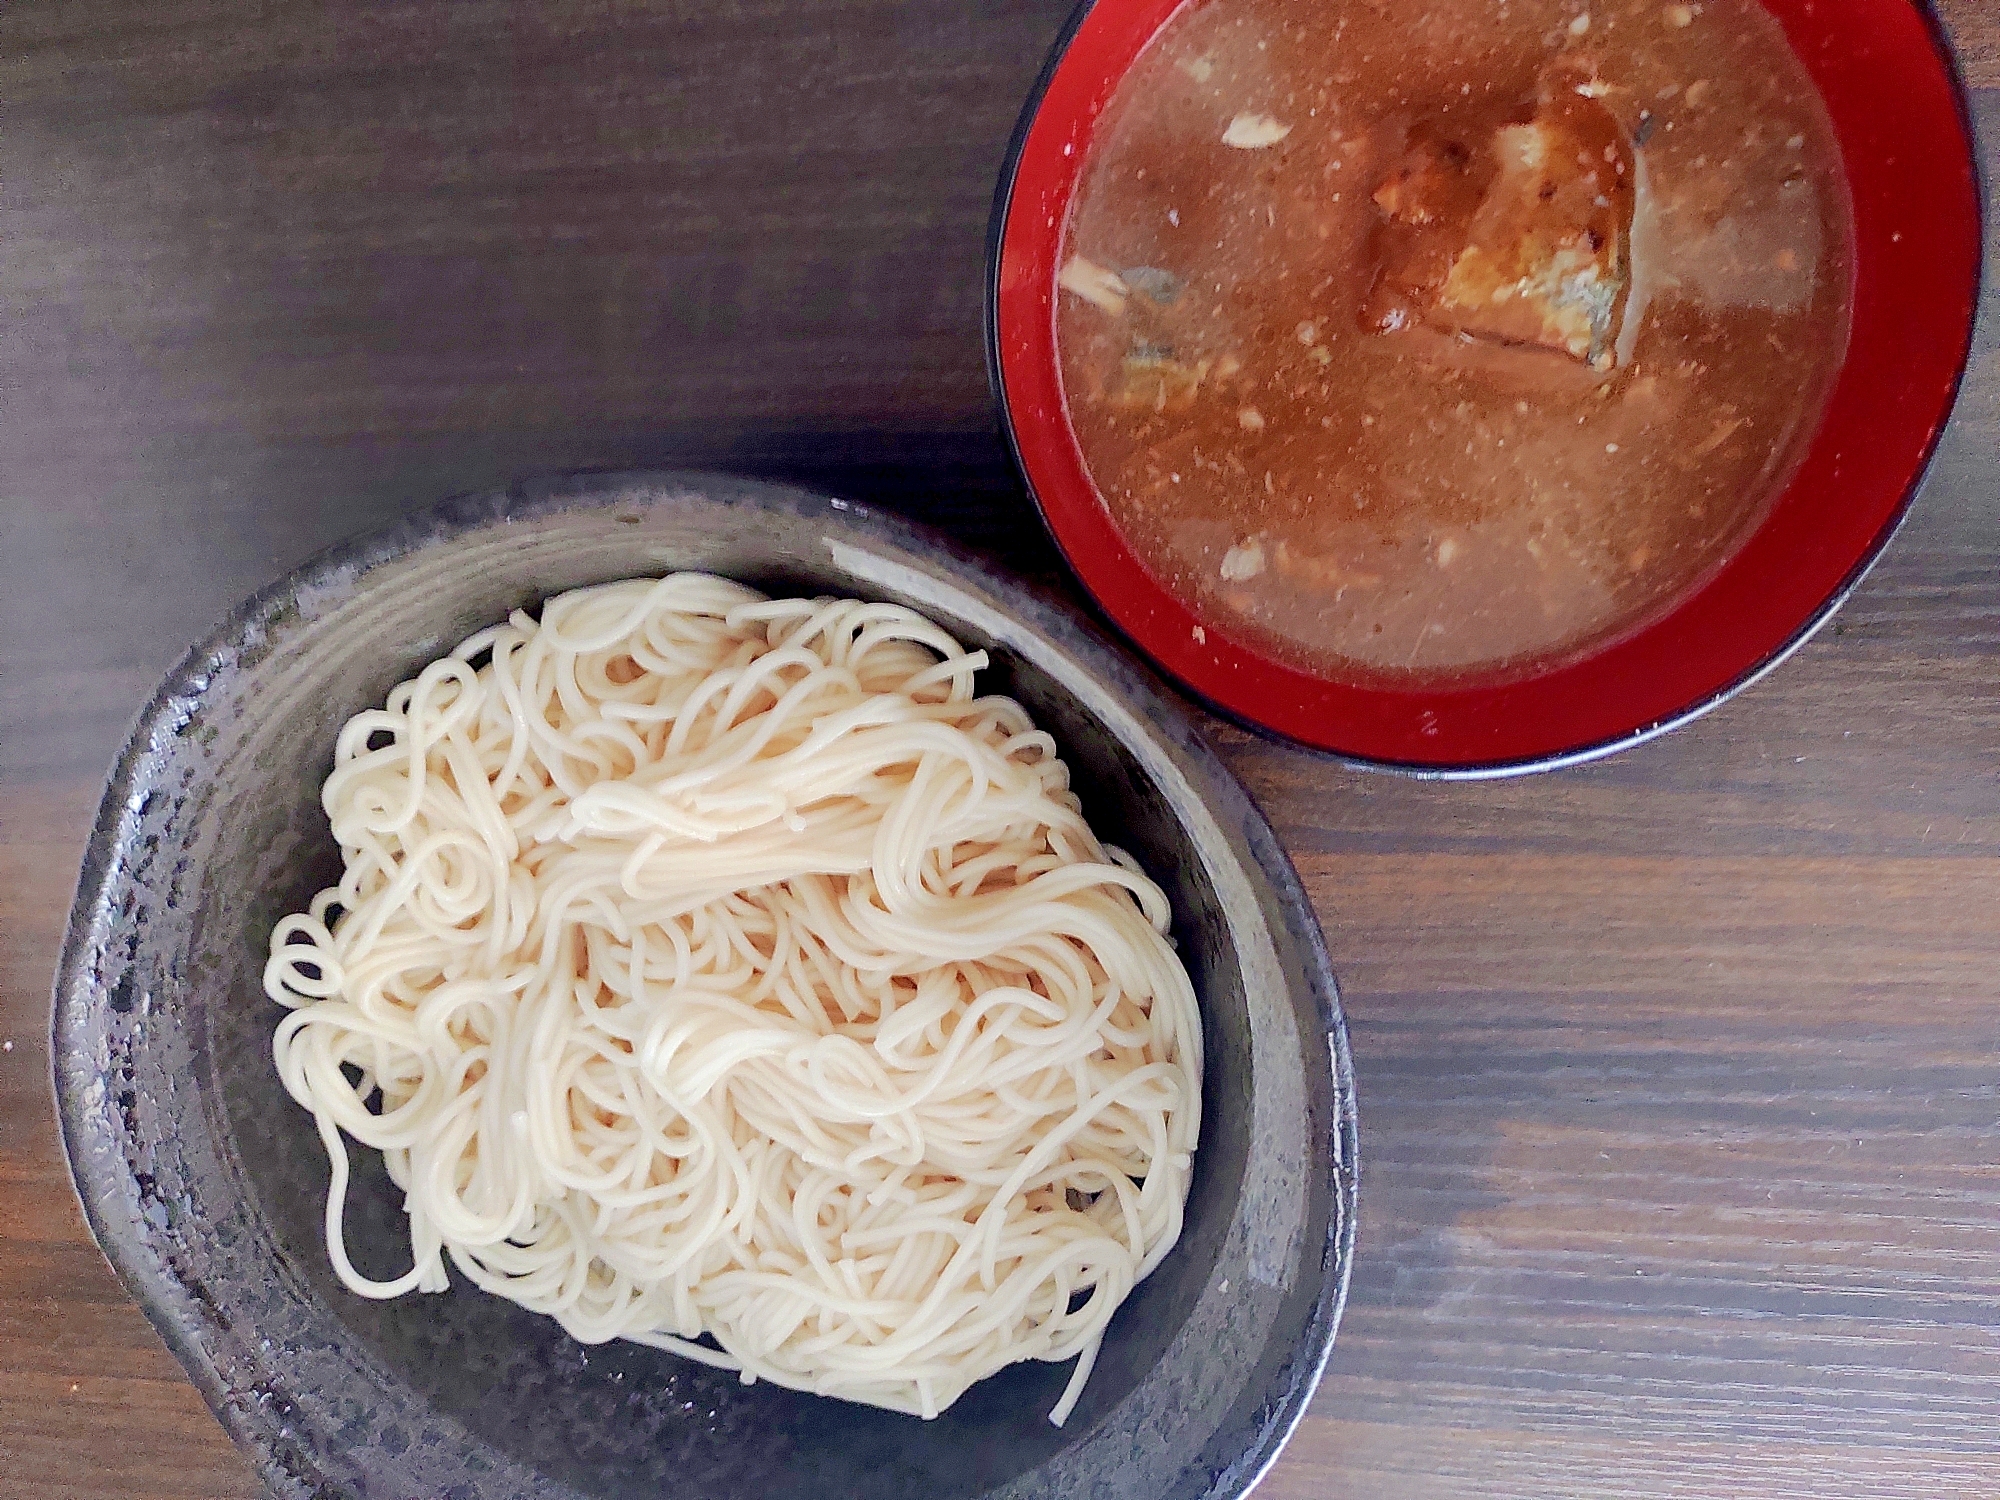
1680 1074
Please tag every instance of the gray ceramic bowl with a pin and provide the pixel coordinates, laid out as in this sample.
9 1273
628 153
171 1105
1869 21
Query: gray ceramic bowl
204 1183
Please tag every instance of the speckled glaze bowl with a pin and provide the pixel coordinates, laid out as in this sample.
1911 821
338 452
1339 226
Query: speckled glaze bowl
205 1184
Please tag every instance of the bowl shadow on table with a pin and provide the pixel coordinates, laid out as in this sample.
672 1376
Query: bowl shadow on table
619 1419
960 480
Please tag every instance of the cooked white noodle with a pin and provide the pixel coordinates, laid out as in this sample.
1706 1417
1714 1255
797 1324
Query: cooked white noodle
713 965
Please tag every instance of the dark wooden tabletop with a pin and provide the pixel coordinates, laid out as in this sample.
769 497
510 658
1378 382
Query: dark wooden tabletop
1680 1073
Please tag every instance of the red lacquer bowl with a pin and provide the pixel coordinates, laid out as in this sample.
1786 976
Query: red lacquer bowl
1899 111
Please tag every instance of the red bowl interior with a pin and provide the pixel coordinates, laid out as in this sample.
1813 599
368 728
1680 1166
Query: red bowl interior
1898 112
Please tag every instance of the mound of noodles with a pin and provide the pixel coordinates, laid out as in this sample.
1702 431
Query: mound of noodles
720 973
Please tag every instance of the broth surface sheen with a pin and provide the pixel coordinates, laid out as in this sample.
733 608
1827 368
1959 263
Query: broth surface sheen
1451 339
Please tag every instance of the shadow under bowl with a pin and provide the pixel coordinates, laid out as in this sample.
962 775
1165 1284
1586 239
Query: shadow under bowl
205 1184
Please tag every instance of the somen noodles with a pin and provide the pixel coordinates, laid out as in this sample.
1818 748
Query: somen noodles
721 973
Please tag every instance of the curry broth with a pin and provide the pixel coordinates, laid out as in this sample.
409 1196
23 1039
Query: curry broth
1316 436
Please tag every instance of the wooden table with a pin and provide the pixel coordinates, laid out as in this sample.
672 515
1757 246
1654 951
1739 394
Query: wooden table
1680 1074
